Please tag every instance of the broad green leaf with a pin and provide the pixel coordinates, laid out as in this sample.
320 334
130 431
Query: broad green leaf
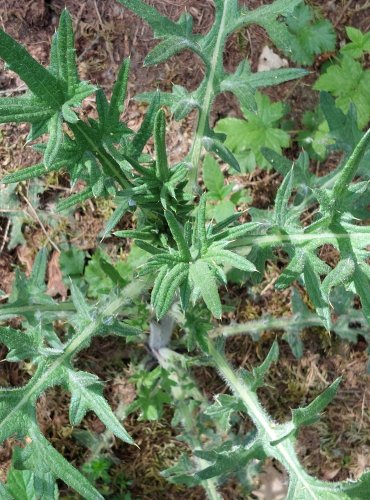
259 130
349 83
309 36
360 43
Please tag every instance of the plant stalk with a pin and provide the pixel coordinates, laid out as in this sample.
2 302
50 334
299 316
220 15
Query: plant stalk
283 451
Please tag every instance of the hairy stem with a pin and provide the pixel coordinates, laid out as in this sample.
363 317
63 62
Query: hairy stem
209 94
37 385
167 359
283 451
269 240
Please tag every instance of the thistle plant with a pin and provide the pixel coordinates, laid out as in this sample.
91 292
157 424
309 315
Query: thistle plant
188 256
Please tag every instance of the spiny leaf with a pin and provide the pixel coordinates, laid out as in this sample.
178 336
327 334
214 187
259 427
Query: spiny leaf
74 199
204 280
178 235
23 109
311 413
214 145
169 47
55 139
162 169
31 172
116 104
87 395
38 79
60 467
167 288
66 53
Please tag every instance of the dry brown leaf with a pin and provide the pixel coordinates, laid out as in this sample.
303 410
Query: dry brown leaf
55 278
26 257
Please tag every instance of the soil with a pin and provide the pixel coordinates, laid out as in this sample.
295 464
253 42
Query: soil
335 448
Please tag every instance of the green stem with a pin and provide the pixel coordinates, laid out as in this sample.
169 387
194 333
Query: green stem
295 239
209 94
37 386
263 324
108 163
189 424
167 360
283 451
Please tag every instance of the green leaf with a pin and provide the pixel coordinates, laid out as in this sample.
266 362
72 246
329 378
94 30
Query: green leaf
162 169
31 172
55 142
72 262
87 395
311 413
164 293
20 484
178 235
222 210
169 47
38 79
215 146
223 408
161 25
360 43
309 37
256 379
314 288
349 83
66 53
146 128
259 130
204 280
243 83
116 105
212 175
51 459
338 276
23 109
74 199
226 257
282 199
